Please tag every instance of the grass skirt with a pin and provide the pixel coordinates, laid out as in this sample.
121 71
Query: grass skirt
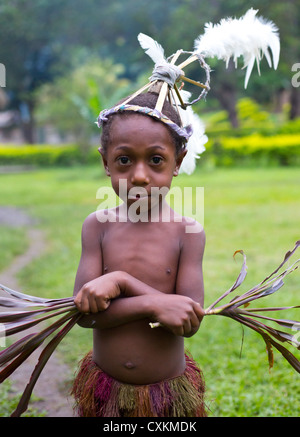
99 395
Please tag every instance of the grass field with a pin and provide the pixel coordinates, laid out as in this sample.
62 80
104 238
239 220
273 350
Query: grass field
257 210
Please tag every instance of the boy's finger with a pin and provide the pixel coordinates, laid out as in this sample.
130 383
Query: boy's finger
93 306
187 326
199 310
82 303
194 320
77 300
180 331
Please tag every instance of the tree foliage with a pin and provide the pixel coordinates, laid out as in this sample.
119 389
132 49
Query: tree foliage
71 102
41 38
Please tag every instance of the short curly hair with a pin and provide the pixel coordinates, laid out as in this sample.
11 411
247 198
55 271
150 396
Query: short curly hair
148 100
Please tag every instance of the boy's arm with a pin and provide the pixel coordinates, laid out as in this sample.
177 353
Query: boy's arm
95 293
190 272
90 264
89 280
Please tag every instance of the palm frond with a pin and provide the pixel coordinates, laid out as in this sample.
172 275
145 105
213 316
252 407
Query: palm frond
238 310
30 311
43 359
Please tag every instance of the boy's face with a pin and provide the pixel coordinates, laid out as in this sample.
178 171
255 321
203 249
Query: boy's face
142 152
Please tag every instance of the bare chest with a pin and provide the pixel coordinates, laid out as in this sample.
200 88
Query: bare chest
149 253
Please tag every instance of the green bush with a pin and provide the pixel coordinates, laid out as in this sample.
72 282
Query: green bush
252 120
40 155
256 149
262 138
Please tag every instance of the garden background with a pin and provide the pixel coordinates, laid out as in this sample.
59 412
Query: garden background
65 61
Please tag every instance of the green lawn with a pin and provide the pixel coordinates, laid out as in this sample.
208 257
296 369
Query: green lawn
257 210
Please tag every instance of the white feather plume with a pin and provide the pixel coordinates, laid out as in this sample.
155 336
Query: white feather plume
249 36
152 48
195 144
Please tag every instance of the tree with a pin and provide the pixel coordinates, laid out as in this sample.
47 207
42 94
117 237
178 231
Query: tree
27 50
73 101
41 38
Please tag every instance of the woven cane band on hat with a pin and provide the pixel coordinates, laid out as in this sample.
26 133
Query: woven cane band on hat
184 132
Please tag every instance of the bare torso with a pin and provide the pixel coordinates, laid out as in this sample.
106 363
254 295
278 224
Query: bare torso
156 256
133 352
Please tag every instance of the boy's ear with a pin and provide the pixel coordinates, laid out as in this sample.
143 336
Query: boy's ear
104 160
179 160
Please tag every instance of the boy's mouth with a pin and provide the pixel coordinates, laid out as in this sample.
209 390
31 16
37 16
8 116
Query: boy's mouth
137 196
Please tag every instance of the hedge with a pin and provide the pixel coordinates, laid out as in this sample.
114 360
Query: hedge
254 149
40 155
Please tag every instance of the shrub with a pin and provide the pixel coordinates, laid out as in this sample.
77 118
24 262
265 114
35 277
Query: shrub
40 155
258 149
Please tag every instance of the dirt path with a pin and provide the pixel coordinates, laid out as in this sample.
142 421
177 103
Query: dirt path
50 389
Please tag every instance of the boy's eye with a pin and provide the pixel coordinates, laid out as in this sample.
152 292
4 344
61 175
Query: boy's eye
123 160
156 159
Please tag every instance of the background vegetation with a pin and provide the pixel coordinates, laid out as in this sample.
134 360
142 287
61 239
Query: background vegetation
68 59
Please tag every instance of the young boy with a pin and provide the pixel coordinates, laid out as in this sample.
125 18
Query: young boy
133 272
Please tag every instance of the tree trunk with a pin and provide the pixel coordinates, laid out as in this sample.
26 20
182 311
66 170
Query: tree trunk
295 103
27 122
226 96
28 132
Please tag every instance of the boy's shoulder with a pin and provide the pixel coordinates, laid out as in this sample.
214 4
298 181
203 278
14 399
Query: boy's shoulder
100 217
192 239
188 225
96 222
95 226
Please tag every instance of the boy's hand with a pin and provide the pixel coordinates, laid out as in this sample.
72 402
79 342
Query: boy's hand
179 314
96 295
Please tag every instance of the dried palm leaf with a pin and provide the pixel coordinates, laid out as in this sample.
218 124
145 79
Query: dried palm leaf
34 311
237 309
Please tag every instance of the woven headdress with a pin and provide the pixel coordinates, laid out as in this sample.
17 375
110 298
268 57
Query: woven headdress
249 37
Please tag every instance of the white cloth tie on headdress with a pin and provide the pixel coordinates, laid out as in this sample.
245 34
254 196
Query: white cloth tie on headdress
167 73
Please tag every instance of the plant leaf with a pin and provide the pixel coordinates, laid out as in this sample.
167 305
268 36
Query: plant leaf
12 328
32 345
12 316
13 350
269 351
23 296
236 284
286 258
292 324
43 359
268 340
30 298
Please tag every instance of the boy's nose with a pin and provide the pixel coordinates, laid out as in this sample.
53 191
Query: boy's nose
140 175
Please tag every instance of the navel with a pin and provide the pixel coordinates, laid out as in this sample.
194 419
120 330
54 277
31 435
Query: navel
129 365
168 271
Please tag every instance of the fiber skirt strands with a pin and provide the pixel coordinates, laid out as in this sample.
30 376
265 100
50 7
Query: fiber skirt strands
99 395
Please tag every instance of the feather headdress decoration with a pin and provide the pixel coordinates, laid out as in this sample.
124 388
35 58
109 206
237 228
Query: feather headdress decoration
195 144
248 36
